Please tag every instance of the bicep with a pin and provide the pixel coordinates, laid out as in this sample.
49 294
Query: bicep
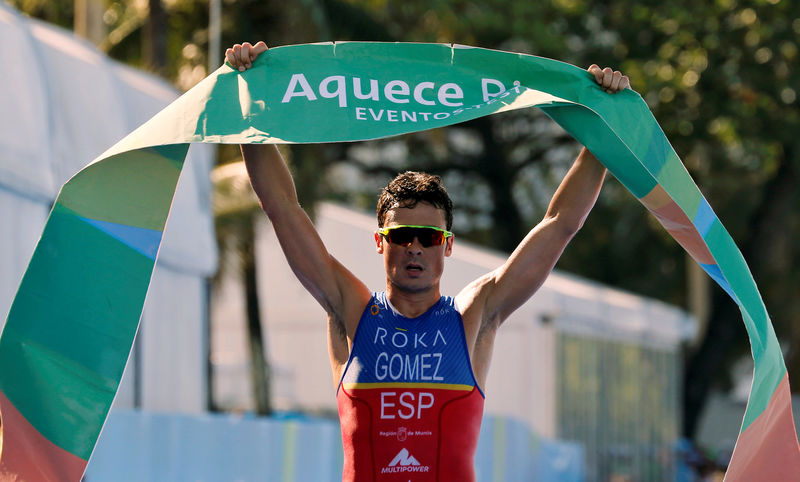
332 285
524 272
327 280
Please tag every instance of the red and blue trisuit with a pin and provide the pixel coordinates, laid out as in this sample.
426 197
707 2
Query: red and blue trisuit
409 405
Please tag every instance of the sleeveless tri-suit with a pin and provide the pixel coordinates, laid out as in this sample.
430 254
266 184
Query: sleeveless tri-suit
409 405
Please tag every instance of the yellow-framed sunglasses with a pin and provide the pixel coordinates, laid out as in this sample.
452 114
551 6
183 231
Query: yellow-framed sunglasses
404 234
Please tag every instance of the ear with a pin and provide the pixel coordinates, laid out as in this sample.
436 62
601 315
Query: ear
378 243
448 245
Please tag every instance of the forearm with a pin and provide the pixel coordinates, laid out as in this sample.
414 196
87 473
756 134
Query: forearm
578 192
529 265
270 177
300 242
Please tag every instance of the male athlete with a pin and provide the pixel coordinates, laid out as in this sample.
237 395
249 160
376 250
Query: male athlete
408 363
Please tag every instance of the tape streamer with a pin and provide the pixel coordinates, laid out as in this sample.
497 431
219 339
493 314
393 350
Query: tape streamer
73 320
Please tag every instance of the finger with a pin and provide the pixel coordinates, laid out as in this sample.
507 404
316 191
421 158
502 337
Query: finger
237 54
615 80
608 75
259 48
594 69
230 57
245 54
232 54
625 83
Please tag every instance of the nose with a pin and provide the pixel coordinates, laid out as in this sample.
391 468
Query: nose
414 246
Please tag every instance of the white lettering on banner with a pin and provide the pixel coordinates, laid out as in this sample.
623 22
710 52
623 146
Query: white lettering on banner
418 93
373 89
485 83
412 116
391 115
501 89
394 88
448 94
307 91
450 91
411 404
339 92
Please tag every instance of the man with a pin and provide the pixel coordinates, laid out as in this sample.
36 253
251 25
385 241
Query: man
408 363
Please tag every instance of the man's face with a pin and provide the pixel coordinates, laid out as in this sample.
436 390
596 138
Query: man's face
414 268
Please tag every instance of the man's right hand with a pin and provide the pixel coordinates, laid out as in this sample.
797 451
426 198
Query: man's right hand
241 56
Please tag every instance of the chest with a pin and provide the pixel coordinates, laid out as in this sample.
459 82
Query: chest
393 349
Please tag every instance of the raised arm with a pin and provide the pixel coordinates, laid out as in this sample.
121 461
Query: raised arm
496 295
339 292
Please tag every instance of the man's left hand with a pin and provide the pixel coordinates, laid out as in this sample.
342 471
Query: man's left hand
612 81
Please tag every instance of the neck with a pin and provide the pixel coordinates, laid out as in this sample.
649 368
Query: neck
412 304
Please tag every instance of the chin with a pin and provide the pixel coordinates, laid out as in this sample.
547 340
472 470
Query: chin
411 288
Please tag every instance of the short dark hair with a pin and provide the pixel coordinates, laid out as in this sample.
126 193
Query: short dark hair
410 188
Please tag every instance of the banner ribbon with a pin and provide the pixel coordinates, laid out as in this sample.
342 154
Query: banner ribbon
72 323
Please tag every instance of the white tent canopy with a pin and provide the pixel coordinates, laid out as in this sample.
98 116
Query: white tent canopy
63 103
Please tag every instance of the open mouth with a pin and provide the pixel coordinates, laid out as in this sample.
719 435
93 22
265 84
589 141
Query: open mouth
414 268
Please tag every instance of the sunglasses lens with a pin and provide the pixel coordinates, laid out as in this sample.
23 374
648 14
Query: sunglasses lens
435 238
427 237
401 236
